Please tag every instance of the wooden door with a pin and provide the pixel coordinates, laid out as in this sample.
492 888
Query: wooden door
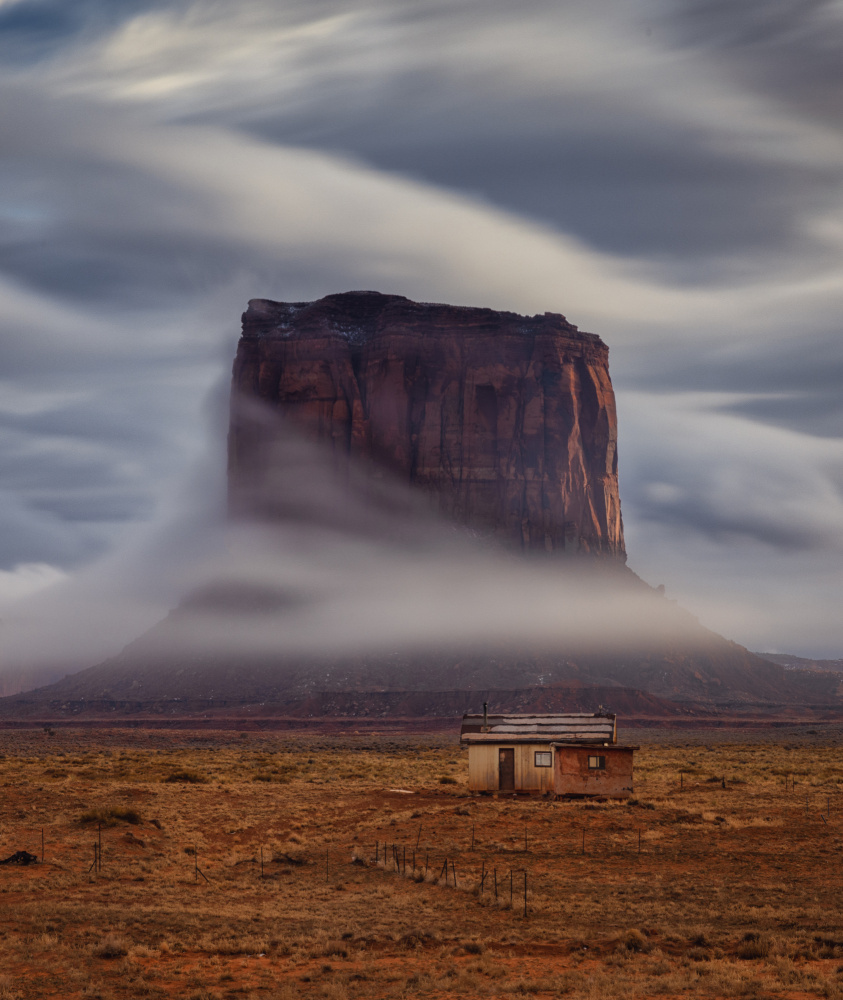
506 770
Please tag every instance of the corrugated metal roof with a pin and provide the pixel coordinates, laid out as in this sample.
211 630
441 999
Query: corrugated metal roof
573 727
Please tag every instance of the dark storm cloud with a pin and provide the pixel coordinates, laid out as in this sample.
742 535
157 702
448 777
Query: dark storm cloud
625 175
819 412
623 182
35 29
698 512
790 379
30 535
787 50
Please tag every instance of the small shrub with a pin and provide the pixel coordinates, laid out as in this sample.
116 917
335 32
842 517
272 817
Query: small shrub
110 947
447 780
754 946
112 816
634 940
186 777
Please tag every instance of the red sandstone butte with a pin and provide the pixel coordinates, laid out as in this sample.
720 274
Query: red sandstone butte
508 422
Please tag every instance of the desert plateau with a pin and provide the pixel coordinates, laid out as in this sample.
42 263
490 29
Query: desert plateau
280 865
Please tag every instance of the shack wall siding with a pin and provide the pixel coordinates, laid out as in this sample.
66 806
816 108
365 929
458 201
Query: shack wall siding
483 767
573 776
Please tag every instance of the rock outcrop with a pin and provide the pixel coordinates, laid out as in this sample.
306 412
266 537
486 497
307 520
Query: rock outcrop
506 422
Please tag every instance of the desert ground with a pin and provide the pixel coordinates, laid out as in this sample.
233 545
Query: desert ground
280 865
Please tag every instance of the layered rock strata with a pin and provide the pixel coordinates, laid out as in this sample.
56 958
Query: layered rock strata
506 422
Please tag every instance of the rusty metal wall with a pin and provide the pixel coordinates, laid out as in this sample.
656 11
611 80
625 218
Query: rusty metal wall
572 775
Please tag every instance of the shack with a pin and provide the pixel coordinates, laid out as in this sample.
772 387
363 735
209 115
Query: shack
555 755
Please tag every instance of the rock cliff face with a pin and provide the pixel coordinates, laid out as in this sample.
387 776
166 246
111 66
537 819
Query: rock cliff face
507 422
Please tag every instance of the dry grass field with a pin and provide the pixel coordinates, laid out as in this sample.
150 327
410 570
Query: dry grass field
734 891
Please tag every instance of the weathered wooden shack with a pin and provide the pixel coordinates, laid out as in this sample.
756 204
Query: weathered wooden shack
554 755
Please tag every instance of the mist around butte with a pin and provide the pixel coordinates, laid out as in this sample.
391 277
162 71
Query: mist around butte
666 177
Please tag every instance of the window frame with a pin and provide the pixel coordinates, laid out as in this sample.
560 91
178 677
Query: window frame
543 753
601 762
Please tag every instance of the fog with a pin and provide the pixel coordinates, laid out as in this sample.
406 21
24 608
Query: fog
326 559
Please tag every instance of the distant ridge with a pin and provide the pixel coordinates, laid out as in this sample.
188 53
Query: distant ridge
791 662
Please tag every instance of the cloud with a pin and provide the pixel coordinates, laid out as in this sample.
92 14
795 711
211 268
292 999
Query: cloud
626 130
743 519
27 579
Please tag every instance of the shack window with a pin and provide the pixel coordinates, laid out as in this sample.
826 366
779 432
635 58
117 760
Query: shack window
543 758
597 763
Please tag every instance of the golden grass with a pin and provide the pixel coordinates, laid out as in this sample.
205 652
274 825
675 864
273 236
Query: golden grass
734 892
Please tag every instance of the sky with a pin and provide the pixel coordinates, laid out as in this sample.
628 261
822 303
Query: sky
666 174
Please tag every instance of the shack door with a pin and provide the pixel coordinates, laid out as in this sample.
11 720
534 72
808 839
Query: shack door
506 770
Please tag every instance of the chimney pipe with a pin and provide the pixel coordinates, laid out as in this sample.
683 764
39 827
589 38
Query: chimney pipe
485 717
